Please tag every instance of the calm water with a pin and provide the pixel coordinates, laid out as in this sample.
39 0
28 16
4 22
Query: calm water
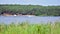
31 19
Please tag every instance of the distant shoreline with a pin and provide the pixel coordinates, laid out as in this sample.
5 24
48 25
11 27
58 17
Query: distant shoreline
15 15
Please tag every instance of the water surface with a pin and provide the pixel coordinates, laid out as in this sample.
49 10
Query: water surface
30 19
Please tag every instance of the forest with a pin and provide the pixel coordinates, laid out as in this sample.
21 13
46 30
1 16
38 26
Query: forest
37 10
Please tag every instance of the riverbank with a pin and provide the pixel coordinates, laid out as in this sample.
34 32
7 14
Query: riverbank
15 15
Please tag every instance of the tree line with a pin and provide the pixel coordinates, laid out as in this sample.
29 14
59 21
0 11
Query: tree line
37 10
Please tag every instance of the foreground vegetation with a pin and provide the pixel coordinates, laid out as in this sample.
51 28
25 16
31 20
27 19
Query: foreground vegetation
37 10
26 28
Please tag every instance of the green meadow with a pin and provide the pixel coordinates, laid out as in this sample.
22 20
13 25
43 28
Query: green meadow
26 28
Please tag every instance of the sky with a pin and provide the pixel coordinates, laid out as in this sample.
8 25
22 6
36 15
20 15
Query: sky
32 2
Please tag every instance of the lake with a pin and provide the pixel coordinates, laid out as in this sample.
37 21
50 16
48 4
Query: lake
30 19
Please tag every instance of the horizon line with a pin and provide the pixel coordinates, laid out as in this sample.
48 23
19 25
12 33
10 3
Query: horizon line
29 4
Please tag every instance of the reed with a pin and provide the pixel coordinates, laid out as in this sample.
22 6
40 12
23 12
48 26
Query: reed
26 28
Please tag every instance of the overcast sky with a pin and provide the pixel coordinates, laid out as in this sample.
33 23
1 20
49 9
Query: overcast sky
33 2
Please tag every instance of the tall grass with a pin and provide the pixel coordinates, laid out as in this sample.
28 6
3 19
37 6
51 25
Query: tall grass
26 28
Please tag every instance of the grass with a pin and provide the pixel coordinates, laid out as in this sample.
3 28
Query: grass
26 28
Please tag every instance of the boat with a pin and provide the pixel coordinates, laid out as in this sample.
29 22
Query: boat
15 15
